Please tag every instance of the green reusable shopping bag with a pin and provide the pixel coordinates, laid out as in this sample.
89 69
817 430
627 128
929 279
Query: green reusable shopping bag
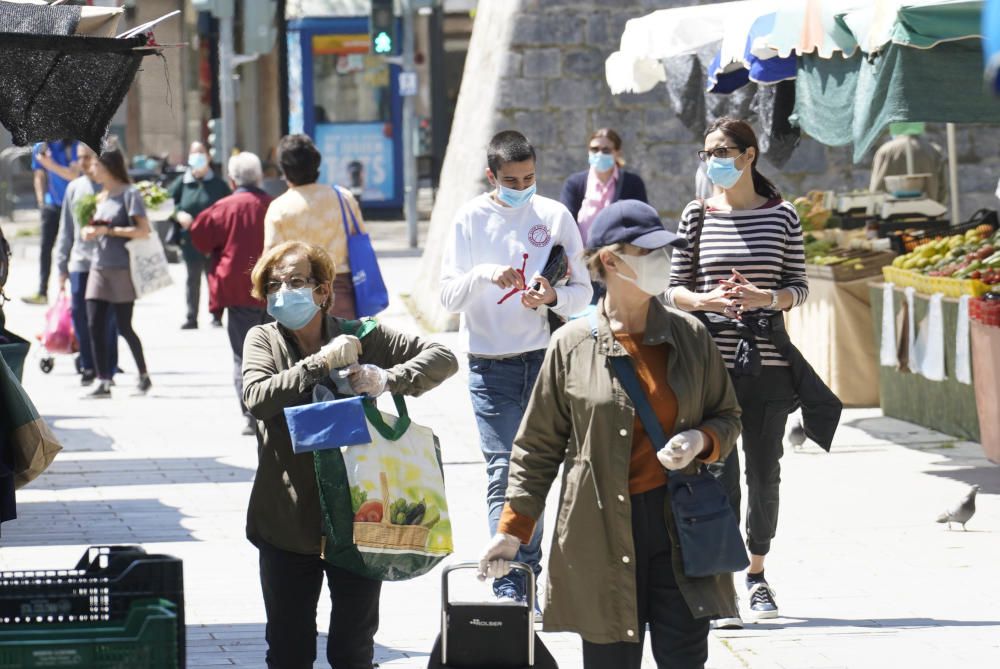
383 504
33 445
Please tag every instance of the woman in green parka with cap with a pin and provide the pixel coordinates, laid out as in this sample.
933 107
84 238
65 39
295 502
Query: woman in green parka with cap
615 565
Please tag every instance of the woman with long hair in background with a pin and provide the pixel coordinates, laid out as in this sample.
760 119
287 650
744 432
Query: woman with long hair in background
120 217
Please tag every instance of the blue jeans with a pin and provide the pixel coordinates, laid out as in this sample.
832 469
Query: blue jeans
500 390
77 291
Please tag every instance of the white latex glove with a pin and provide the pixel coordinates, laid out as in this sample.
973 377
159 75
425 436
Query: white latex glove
341 352
682 449
495 560
368 380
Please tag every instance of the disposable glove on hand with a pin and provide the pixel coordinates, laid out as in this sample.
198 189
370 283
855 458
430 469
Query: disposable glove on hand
495 560
681 450
341 352
367 379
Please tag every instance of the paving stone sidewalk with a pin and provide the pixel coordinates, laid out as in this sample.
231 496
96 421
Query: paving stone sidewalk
862 572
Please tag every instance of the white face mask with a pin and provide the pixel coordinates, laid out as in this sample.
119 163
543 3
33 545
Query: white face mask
652 271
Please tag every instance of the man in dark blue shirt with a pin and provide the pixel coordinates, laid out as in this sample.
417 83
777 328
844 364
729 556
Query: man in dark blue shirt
55 164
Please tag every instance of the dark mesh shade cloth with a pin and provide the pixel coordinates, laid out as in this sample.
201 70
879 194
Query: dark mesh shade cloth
16 17
62 86
767 106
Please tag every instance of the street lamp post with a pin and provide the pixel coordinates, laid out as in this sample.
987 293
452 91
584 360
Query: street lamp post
409 131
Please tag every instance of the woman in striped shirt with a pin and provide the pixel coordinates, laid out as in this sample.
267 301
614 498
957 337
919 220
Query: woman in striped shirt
745 260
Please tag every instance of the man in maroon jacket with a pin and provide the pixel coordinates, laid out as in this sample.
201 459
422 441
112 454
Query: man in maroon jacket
231 231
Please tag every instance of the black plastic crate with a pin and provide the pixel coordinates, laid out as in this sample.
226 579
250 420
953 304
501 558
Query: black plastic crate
102 587
905 238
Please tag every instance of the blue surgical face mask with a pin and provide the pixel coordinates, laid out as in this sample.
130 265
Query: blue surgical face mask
515 198
722 171
602 162
197 161
292 308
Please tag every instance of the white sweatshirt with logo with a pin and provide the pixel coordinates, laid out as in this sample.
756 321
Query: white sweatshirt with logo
486 236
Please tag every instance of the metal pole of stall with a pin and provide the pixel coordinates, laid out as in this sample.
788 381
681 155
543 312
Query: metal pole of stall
956 216
409 129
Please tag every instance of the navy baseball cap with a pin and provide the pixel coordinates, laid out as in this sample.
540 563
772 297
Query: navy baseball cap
631 222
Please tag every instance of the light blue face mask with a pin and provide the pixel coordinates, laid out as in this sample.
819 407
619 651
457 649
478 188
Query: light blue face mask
515 198
602 162
197 161
292 308
722 171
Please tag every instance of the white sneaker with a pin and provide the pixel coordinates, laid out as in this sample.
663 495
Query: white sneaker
735 623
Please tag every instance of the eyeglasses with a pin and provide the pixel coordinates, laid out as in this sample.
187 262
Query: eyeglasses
599 149
717 152
293 283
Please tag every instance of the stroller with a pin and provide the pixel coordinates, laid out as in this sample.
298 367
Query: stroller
58 335
489 635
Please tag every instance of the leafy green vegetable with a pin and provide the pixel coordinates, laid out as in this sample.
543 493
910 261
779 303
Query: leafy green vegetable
84 209
152 194
358 497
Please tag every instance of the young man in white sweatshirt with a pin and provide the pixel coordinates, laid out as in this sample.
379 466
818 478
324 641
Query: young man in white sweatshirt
498 245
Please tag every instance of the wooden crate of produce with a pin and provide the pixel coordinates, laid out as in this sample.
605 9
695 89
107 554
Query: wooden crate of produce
851 264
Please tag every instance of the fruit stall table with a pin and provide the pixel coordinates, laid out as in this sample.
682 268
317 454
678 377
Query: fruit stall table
833 328
833 331
947 406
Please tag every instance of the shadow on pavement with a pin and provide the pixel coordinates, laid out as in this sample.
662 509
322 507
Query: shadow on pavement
886 623
244 644
140 471
78 439
966 461
986 477
120 521
892 430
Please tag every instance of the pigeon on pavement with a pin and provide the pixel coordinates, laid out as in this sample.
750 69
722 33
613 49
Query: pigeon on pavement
796 435
963 512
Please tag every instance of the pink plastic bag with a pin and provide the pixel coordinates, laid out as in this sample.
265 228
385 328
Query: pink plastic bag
58 335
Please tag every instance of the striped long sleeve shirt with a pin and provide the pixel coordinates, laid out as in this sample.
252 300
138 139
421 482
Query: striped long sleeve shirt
763 244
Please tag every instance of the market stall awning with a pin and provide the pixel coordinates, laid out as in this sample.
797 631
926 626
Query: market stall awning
810 26
646 41
732 68
919 61
921 24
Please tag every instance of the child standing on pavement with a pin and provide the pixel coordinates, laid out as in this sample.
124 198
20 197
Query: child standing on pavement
497 247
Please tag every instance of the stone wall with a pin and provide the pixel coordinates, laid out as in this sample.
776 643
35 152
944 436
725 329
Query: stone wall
551 87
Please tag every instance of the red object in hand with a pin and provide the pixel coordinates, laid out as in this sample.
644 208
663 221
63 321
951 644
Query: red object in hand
515 291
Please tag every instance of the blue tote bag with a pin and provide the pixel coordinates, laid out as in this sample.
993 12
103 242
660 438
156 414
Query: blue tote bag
370 295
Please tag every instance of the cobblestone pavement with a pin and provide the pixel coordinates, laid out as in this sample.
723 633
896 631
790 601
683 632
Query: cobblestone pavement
863 574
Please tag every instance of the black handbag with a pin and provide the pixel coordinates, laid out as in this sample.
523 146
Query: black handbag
709 535
556 268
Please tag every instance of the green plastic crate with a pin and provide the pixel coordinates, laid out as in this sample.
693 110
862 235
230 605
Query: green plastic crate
147 640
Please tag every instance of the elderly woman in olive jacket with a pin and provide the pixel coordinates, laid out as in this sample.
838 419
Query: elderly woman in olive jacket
614 565
282 363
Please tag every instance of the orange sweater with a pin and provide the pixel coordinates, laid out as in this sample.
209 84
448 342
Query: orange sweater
645 472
